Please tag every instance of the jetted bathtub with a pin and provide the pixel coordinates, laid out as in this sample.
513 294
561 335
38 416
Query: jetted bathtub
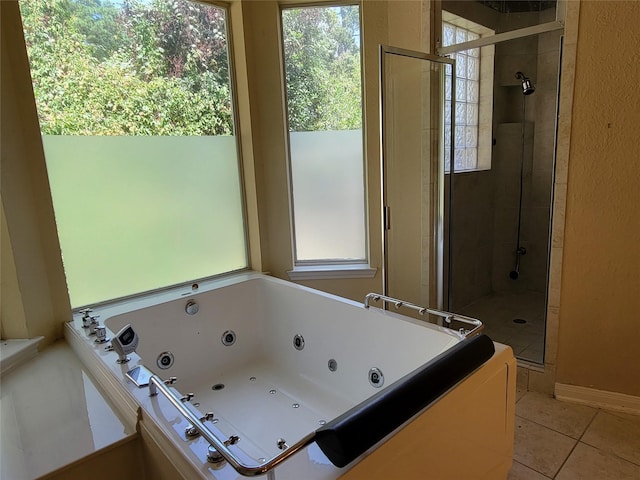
297 384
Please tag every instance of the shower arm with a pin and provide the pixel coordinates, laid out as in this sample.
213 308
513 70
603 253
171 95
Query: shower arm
448 317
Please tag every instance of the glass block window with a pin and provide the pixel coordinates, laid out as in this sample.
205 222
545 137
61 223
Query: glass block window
467 100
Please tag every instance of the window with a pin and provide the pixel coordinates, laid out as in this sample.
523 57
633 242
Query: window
135 107
322 64
473 102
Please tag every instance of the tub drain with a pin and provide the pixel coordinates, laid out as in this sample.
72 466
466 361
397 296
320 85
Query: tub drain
218 386
519 320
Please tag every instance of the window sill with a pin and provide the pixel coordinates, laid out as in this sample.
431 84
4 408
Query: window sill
319 272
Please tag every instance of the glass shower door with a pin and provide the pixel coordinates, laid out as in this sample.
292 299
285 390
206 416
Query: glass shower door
412 103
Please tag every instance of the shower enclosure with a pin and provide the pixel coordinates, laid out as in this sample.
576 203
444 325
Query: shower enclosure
501 216
477 241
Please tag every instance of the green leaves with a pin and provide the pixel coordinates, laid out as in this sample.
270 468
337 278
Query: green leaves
140 68
322 68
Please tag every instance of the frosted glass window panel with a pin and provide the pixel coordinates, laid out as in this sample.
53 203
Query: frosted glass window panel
447 87
328 195
472 36
474 52
447 113
461 35
139 213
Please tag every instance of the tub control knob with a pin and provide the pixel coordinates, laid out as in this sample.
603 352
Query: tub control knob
101 334
191 432
93 324
86 317
214 456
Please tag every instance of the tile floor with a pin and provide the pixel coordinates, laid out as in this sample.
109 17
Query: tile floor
497 312
564 441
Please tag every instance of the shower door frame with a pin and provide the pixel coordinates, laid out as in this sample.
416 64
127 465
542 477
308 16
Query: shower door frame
441 221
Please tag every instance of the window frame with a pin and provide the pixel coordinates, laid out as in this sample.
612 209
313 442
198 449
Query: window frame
329 267
193 284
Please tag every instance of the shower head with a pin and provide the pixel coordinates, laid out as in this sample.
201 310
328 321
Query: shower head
527 85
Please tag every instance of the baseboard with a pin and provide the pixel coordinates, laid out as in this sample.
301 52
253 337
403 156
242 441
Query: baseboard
619 402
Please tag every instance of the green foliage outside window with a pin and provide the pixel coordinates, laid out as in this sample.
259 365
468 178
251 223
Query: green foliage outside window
135 68
160 67
322 67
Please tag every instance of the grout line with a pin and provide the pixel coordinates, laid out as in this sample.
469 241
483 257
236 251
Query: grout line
607 452
531 468
578 442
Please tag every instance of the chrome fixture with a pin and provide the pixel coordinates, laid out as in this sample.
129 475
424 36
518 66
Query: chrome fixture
527 85
214 456
447 317
93 324
157 385
101 334
187 398
124 343
282 444
153 391
527 89
86 317
140 376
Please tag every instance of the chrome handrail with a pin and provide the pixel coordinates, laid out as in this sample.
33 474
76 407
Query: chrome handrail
156 384
447 316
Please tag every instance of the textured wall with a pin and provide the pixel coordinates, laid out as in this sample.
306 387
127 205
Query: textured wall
600 303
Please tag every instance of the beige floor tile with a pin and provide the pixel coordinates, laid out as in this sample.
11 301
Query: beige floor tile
616 433
566 418
586 463
520 392
540 448
522 472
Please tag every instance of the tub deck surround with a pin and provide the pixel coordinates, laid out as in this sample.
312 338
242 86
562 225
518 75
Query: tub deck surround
53 416
259 386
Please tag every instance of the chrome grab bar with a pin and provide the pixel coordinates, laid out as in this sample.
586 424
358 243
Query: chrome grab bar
447 316
156 384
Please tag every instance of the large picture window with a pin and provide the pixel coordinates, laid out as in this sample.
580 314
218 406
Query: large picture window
322 63
134 100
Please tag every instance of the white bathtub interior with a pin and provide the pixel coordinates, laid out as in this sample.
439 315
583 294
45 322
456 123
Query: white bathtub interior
261 388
